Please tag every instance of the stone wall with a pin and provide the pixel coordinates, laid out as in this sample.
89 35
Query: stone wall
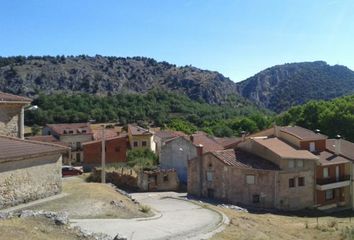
27 180
9 119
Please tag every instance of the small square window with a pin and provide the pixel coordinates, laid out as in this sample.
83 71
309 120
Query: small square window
250 179
255 198
301 181
291 182
300 163
291 164
144 143
135 143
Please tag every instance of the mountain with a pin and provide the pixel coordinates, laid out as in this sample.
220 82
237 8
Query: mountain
111 75
280 87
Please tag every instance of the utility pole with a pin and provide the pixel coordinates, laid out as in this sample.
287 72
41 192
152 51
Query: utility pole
103 156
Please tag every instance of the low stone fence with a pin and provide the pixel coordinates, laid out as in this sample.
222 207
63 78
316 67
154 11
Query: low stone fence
123 178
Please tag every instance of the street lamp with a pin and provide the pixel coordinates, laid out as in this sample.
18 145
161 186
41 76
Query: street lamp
103 155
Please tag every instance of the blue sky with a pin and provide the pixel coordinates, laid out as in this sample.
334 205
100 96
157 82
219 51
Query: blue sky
236 38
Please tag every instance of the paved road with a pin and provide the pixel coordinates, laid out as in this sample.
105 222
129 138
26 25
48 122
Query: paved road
178 219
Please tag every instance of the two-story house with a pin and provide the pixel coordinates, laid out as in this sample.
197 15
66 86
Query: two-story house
72 133
141 138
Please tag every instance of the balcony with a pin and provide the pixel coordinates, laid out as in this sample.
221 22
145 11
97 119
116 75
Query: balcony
331 183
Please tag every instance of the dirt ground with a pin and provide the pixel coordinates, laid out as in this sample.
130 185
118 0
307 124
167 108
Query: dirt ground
92 200
275 226
35 229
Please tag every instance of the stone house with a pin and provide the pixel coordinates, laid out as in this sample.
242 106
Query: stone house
72 133
141 138
116 151
29 170
161 136
234 176
175 152
12 110
158 180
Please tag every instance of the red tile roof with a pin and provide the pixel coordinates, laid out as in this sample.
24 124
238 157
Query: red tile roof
136 130
241 159
48 139
7 97
209 144
346 149
166 134
328 158
283 149
228 142
109 133
65 128
302 133
14 148
107 139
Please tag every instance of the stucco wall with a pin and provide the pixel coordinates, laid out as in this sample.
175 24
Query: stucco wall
176 154
9 119
27 180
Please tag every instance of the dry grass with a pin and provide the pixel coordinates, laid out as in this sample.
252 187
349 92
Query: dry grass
34 229
92 200
272 226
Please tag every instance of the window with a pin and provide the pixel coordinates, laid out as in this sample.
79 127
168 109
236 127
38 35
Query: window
117 149
291 164
83 131
135 144
312 147
209 176
71 131
250 179
329 194
144 143
165 178
291 182
325 172
255 198
301 181
300 163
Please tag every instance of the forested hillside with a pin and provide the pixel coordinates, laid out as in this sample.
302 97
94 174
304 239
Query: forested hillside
331 117
157 108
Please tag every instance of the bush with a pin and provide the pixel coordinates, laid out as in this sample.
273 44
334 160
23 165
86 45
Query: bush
144 158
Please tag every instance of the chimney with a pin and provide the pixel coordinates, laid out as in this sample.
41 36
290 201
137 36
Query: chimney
191 137
337 145
199 150
276 130
243 134
318 131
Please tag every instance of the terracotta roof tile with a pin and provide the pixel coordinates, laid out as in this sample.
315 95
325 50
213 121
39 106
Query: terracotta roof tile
109 133
76 128
136 130
12 148
346 149
241 159
328 158
7 97
209 144
227 142
283 149
167 134
48 139
302 133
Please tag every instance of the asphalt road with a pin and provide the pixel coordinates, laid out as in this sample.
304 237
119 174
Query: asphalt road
176 219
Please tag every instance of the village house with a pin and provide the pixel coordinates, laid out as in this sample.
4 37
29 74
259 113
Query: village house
141 138
116 151
175 152
12 114
72 133
158 180
161 136
29 170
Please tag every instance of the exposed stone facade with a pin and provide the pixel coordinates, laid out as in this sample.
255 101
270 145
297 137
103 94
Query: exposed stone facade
29 179
10 119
